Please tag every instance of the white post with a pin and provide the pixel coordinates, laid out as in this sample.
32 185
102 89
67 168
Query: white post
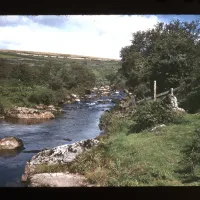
172 91
154 94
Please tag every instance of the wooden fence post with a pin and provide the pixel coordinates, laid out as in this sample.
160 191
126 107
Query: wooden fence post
154 94
172 91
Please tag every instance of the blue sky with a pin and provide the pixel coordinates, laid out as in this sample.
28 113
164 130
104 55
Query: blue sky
100 35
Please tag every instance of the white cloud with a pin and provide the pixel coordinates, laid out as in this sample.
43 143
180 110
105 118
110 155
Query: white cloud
101 36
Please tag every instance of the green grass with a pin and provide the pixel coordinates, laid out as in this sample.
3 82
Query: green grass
142 159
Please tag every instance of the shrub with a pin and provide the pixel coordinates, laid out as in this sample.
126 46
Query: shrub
104 121
153 113
45 97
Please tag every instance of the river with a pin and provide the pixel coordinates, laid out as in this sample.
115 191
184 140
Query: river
78 122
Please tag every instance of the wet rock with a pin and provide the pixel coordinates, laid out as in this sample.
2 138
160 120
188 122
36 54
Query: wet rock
28 171
74 95
10 143
50 108
28 113
40 107
58 155
77 100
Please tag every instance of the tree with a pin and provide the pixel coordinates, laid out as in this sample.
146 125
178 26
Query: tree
81 77
167 53
26 74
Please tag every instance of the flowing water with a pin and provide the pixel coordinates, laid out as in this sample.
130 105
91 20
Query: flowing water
78 122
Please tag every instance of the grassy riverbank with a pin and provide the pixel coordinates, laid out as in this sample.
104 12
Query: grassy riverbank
147 158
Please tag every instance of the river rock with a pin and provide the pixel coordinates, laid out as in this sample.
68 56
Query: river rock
28 113
156 127
50 108
59 155
10 143
77 100
58 180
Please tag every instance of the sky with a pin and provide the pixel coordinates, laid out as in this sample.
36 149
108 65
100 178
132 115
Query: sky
88 35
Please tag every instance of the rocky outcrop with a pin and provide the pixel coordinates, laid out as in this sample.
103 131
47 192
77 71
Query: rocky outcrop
11 143
58 155
28 113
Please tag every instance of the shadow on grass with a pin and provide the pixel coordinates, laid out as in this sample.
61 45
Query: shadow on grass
134 129
187 176
190 161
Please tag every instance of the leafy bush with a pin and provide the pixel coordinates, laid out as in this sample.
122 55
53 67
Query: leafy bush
45 97
153 113
104 121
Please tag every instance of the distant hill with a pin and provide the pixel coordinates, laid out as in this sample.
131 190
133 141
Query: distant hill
102 67
58 55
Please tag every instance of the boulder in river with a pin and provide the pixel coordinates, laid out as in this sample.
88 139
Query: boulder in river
28 113
11 143
59 155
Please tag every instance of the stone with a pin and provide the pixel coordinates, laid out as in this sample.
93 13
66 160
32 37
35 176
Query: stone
58 180
28 113
173 102
156 127
10 143
59 155
77 100
181 110
74 95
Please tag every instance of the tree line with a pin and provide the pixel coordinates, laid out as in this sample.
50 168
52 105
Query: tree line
23 84
168 53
